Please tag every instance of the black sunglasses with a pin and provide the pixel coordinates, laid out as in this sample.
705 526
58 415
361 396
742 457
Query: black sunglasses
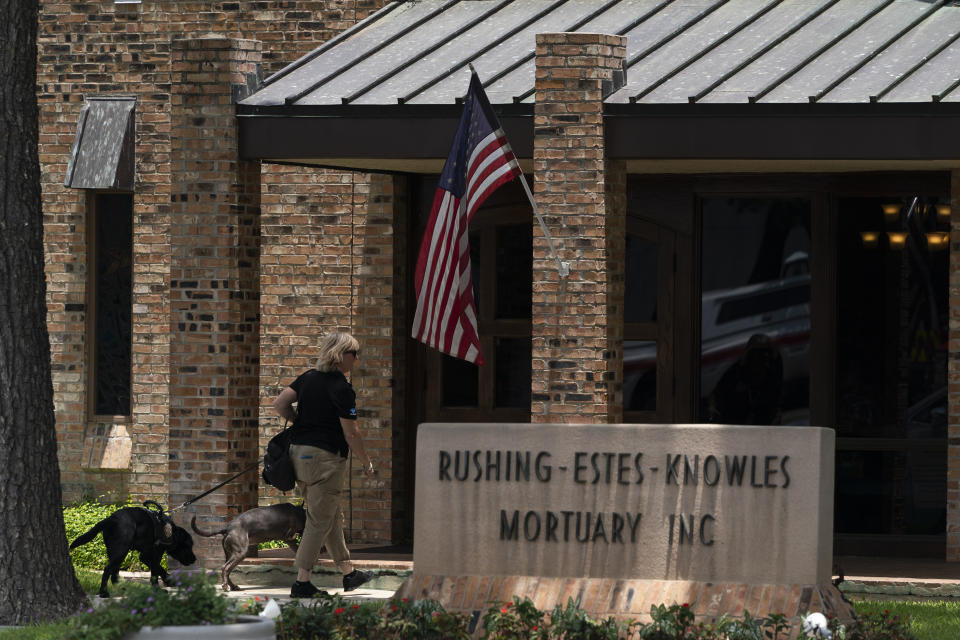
354 353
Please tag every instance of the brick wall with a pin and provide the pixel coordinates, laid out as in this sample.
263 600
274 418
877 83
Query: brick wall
98 48
578 320
90 49
953 378
327 265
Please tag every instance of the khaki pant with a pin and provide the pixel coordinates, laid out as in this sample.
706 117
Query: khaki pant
319 479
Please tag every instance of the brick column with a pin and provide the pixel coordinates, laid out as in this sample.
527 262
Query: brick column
953 378
373 325
214 283
578 320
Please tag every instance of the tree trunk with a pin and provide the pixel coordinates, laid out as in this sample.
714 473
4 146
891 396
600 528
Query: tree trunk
36 576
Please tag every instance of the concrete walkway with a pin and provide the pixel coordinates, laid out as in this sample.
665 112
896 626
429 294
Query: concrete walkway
271 574
282 593
898 578
864 577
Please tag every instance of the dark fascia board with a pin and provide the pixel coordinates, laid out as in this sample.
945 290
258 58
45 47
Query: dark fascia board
849 131
361 131
867 131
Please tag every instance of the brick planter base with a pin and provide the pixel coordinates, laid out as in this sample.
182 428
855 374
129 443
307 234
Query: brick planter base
627 599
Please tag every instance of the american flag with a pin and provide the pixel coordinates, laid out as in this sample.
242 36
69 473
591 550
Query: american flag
479 162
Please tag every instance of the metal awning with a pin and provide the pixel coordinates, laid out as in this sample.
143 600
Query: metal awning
102 156
822 77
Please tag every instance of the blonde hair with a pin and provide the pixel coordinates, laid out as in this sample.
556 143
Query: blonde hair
332 347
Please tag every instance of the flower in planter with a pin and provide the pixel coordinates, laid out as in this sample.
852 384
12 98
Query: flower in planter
195 600
518 618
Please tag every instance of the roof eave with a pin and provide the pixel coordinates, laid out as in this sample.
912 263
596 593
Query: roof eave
851 131
799 131
349 131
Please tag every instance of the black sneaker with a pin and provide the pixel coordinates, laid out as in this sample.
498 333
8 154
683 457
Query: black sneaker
356 578
303 590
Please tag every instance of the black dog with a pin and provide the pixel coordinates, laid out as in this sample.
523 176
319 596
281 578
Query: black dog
149 531
276 522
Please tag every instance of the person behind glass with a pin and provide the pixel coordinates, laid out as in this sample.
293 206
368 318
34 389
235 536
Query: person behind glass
323 433
751 389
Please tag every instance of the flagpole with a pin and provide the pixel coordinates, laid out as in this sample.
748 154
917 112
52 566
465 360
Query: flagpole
563 268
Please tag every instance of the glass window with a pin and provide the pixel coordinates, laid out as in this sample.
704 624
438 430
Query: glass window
884 492
639 375
640 296
892 370
514 260
512 378
501 256
459 382
892 331
112 288
755 314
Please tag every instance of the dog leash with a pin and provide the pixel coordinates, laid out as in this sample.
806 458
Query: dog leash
209 491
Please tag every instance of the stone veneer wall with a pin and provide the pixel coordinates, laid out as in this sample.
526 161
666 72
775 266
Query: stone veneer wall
578 320
98 48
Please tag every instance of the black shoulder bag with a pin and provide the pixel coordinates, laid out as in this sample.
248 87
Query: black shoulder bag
277 464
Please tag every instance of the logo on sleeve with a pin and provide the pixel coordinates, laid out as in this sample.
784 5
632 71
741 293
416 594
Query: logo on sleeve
353 412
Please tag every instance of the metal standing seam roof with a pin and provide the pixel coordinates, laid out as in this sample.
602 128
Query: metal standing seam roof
678 51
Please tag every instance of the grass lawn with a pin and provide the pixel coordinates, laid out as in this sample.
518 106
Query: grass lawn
929 620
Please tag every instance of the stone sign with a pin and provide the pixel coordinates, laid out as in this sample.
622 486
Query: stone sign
655 502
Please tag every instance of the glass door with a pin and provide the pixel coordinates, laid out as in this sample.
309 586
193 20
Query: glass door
755 310
891 384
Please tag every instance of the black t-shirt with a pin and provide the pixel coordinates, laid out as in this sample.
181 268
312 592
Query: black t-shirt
323 397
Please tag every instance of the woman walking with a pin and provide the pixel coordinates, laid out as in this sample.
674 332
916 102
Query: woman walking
324 431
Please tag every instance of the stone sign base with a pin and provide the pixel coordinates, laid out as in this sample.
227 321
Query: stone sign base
627 600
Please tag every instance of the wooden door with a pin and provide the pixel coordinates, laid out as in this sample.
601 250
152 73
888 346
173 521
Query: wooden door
649 346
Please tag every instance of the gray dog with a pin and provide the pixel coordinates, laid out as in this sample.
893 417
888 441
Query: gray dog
276 522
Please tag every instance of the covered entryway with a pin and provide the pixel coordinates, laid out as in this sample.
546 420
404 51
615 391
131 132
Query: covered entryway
708 170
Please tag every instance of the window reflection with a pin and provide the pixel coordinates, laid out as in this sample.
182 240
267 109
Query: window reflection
755 316
892 322
892 370
639 375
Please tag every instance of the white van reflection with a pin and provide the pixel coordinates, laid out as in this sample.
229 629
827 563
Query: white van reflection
777 309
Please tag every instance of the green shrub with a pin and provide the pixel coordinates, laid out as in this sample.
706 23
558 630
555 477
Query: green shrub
194 599
331 617
572 623
422 620
275 544
313 621
513 620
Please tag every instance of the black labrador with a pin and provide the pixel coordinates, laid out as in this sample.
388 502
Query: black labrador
149 531
277 522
